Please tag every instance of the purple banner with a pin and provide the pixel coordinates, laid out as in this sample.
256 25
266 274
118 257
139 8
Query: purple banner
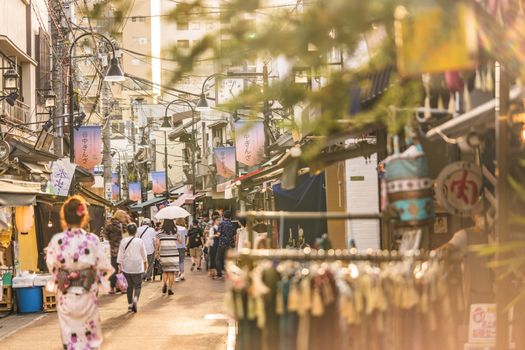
249 142
115 187
134 191
88 146
225 163
158 178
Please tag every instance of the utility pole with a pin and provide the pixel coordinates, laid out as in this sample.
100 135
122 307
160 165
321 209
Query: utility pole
106 141
58 76
503 285
267 113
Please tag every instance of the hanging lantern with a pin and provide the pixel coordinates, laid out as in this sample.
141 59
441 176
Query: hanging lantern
25 219
11 79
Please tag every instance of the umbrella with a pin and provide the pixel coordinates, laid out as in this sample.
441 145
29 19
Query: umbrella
172 212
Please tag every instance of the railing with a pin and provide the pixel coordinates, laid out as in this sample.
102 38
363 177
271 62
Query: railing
19 113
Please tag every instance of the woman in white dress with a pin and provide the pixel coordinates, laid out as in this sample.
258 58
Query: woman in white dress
81 270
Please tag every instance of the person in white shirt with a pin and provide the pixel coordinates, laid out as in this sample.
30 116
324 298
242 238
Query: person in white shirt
148 236
132 261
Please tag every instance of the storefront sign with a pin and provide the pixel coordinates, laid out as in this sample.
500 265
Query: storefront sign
108 191
225 163
88 146
158 178
459 188
222 186
482 323
228 191
249 142
62 172
134 191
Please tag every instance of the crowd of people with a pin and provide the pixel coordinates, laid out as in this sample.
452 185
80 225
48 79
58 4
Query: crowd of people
82 267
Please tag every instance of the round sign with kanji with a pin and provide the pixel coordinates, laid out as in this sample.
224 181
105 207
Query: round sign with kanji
459 187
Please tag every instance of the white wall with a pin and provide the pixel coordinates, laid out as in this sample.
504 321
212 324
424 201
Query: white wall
12 21
362 197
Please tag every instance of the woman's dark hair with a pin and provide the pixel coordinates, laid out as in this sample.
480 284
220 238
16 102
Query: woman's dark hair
242 221
74 212
169 227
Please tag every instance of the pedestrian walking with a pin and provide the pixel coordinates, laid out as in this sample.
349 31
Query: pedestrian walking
242 236
226 239
148 235
166 248
133 261
113 233
182 230
195 242
80 271
213 243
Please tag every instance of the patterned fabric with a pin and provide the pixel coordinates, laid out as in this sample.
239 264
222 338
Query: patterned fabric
168 252
113 233
227 230
76 250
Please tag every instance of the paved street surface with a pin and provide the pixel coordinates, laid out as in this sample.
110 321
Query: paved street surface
191 319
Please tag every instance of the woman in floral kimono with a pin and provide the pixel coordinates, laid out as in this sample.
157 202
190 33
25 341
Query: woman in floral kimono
79 267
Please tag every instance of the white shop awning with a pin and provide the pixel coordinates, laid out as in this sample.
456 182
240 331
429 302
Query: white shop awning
475 120
12 195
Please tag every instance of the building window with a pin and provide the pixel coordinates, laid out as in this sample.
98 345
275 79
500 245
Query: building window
217 136
43 56
184 44
182 25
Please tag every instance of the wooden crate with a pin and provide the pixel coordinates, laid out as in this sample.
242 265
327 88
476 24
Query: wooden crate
49 301
6 304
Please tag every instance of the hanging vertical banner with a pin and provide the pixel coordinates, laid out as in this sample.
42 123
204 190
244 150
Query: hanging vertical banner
225 163
249 141
134 191
115 187
158 178
88 146
62 172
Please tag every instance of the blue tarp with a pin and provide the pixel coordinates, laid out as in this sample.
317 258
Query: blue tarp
308 195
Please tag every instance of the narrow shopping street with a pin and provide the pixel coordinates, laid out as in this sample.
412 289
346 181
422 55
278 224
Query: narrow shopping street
190 319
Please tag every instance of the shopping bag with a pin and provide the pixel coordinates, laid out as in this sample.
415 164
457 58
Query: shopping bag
122 283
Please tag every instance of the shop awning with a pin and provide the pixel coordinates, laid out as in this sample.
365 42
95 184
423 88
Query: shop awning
34 168
83 175
475 120
147 203
187 198
26 152
123 203
94 198
12 195
218 123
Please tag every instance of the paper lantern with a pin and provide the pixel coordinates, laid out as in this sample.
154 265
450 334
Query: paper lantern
25 219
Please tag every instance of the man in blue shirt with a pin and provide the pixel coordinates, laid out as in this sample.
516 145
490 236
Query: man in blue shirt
227 231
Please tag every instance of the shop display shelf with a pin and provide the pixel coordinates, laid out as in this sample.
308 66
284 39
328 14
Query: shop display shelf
49 301
6 304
